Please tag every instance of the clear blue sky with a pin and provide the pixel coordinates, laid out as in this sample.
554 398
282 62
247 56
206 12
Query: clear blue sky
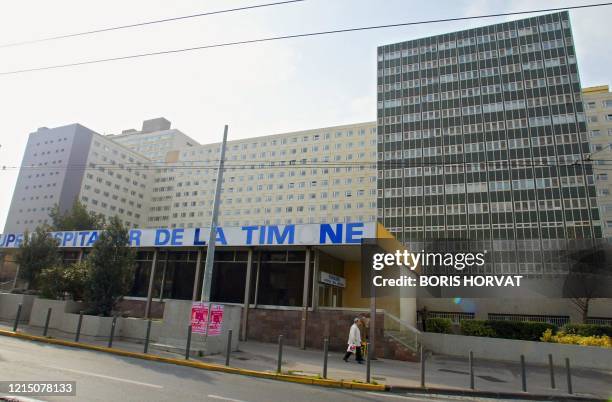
256 89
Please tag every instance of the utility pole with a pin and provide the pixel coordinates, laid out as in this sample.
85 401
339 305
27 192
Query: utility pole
210 253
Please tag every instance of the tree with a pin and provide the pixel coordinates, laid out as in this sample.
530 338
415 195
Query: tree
76 218
111 263
37 252
589 277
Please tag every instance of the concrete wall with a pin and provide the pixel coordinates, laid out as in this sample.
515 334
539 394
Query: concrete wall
40 307
92 325
9 303
510 350
136 329
177 317
351 295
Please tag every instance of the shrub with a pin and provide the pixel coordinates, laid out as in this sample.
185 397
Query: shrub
573 339
56 281
75 279
588 329
476 328
51 282
522 330
439 325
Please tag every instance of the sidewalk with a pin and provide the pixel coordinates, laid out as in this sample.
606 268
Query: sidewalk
440 371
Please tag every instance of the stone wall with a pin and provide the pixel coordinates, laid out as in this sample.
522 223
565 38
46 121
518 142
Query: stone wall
266 325
136 308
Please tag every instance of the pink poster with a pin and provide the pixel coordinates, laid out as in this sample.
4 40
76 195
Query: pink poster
199 315
216 320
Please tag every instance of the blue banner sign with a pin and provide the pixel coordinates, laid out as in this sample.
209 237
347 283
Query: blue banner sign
308 234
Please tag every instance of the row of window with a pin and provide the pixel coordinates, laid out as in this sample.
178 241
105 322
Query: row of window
483 187
473 40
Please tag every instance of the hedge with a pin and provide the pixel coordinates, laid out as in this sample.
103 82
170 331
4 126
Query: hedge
439 325
588 329
522 330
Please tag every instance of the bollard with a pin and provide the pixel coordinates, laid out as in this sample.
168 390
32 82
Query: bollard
523 374
228 350
280 354
472 386
552 371
325 353
17 317
569 376
112 333
78 330
188 346
368 363
46 330
148 335
422 367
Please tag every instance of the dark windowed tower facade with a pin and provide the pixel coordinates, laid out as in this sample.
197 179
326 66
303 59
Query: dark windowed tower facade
482 136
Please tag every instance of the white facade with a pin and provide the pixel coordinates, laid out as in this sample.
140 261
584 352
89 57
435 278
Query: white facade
324 175
116 182
598 105
159 177
70 162
155 139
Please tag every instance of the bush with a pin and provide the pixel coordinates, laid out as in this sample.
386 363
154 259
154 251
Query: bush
588 329
56 281
573 339
476 328
75 279
51 282
522 330
439 325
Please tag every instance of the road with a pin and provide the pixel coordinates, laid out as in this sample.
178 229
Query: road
103 377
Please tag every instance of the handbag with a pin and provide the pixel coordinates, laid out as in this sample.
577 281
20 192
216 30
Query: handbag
351 348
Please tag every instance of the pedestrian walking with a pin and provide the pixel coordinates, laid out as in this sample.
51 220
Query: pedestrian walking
354 342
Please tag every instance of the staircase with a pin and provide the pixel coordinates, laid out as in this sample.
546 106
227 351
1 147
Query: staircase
402 340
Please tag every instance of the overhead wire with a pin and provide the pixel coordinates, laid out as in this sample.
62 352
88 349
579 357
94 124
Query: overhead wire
145 23
294 36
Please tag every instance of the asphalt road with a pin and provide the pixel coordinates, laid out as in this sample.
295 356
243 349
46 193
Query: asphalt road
102 377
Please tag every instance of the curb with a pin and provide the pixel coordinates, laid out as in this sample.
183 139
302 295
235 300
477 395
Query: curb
201 365
492 394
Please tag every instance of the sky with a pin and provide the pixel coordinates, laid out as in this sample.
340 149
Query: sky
257 89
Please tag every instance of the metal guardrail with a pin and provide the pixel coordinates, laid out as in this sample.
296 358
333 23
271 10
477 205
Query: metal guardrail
599 320
455 317
550 319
